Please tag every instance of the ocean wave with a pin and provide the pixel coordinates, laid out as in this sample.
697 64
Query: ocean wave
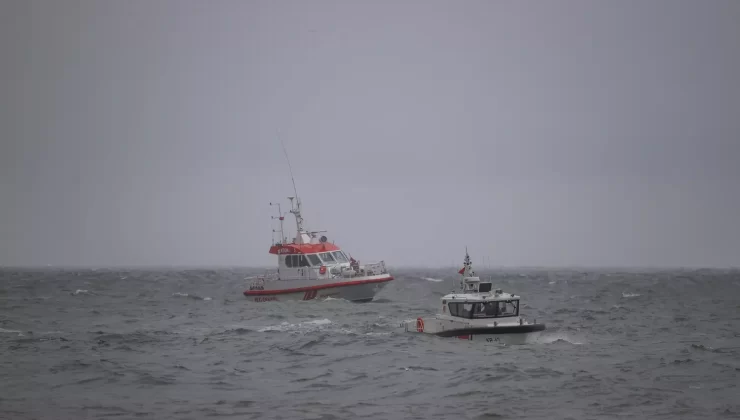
141 345
306 326
557 338
190 295
82 292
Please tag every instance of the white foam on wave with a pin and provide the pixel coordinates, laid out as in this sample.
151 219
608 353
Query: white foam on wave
629 295
188 295
301 326
433 279
81 292
320 299
552 338
3 330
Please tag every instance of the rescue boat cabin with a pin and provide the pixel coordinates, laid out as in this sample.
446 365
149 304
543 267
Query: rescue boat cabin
309 260
308 256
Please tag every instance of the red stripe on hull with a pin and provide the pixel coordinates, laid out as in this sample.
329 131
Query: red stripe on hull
317 287
290 249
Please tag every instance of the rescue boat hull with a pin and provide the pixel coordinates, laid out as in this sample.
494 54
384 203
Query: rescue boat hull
361 290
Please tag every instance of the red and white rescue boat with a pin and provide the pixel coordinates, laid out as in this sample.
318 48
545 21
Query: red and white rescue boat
310 267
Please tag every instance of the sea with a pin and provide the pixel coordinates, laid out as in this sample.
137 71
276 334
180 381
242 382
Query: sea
186 344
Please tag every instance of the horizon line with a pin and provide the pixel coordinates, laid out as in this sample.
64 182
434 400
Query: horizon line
403 267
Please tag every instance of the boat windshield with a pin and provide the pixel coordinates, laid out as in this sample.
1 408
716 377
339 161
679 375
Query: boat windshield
314 259
326 257
296 261
485 309
339 256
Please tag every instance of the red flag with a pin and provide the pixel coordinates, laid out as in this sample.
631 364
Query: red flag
462 271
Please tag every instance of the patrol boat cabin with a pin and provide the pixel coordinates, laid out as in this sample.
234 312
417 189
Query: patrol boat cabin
477 310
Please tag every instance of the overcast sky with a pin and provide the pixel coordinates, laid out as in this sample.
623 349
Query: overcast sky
584 133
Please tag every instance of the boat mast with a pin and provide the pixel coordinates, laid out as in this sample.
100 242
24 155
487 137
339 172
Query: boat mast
302 236
467 270
280 217
296 210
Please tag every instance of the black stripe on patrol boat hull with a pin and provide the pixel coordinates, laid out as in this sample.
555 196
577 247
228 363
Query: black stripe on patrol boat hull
508 329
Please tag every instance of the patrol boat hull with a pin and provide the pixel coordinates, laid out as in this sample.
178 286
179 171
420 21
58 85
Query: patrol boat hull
514 334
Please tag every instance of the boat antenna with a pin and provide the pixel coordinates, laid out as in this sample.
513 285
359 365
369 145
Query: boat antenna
280 217
285 152
297 209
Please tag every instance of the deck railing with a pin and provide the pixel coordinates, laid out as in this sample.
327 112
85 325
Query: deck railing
370 269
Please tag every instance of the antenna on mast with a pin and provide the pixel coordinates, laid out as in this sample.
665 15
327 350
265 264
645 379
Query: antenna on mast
285 152
296 210
280 217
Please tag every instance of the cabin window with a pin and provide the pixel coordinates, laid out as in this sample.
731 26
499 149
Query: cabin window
462 310
314 259
485 309
508 308
339 256
453 309
326 257
303 261
295 261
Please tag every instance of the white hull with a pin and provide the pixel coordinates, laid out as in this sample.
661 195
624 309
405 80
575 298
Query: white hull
507 339
510 333
357 290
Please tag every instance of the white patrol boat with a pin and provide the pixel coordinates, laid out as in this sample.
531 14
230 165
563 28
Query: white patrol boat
310 268
477 311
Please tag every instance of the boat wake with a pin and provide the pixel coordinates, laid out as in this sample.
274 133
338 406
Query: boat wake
557 337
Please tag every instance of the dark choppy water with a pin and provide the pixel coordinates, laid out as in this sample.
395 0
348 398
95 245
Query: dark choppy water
187 345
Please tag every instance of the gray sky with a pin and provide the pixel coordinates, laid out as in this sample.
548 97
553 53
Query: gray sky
536 133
